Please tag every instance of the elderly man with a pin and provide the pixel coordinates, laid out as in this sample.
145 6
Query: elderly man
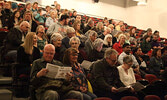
47 88
105 76
17 35
59 27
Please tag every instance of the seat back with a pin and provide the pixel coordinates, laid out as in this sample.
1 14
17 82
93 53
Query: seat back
129 98
152 97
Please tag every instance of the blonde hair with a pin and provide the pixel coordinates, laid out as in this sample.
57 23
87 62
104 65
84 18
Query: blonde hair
105 39
28 42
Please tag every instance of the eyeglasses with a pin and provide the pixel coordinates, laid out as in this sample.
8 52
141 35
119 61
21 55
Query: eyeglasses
74 54
74 43
130 64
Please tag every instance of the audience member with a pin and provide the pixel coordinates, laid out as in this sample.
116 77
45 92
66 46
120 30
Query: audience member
28 17
47 88
17 35
99 28
39 17
27 53
27 8
107 30
118 46
41 38
164 57
155 43
52 19
59 27
89 26
70 34
96 53
146 44
76 26
156 66
105 76
56 40
108 41
79 80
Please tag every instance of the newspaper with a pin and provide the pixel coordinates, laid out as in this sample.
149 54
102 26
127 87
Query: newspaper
86 64
55 71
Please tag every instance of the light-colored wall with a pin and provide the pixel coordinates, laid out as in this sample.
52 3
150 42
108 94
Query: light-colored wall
154 15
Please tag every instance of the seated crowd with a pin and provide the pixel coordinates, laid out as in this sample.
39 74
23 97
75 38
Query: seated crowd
117 53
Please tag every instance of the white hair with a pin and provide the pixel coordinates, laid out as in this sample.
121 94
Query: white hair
105 39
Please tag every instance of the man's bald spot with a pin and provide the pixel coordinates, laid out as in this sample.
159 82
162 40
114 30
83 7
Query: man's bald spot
24 23
49 46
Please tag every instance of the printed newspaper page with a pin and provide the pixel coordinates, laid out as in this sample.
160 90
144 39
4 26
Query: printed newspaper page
55 71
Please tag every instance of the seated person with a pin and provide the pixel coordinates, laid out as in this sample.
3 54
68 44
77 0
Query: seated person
47 88
79 80
27 53
105 76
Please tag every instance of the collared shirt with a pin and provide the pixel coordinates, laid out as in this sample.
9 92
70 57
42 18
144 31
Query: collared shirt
123 54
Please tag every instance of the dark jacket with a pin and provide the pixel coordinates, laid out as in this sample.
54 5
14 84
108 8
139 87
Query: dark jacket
104 77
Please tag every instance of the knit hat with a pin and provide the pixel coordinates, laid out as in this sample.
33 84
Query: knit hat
14 5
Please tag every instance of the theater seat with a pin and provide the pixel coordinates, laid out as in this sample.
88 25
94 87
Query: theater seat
103 98
151 78
129 98
152 97
165 97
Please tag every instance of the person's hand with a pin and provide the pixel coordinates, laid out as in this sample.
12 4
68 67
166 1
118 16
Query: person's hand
132 89
68 76
83 89
42 72
113 89
161 71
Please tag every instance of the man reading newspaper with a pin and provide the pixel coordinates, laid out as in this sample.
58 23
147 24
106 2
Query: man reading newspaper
50 88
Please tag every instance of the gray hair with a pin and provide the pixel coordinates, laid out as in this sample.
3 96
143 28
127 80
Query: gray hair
119 37
97 43
107 28
55 36
74 38
70 30
127 59
105 39
92 33
109 52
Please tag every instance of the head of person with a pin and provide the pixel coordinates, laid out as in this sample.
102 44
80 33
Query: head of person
127 62
48 52
14 6
165 51
147 38
111 26
58 6
107 30
55 3
111 56
122 28
28 5
76 25
64 19
27 16
74 42
156 33
70 32
91 23
70 56
122 38
155 38
29 42
74 13
24 26
92 35
132 30
149 31
156 53
99 26
47 8
53 14
137 51
78 17
8 5
108 39
98 44
127 48
35 5
56 39
16 14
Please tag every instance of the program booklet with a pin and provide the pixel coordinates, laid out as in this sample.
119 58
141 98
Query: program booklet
57 72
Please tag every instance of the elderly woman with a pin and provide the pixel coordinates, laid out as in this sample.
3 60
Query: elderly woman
118 46
99 28
97 53
56 40
107 41
89 42
41 38
79 81
27 53
70 34
74 43
52 19
126 72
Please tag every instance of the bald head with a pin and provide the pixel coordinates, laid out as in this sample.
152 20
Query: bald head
49 52
24 26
